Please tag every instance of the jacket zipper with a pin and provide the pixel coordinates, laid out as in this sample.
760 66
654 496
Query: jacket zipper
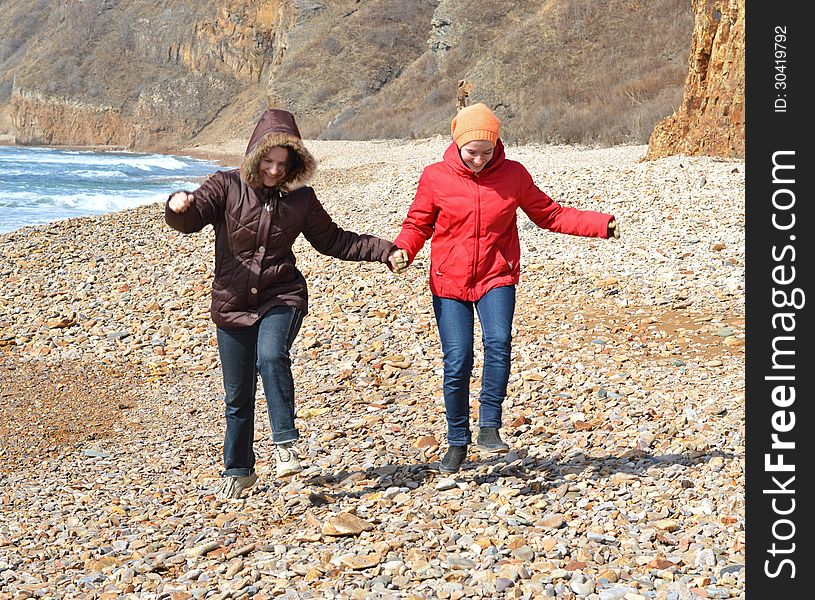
477 229
271 202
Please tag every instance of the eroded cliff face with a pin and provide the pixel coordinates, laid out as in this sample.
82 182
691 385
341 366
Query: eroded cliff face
50 121
710 120
245 38
145 76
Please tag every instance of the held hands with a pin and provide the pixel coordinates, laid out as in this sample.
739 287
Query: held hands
398 260
181 201
613 229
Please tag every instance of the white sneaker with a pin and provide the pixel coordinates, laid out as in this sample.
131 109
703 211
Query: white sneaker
232 487
287 461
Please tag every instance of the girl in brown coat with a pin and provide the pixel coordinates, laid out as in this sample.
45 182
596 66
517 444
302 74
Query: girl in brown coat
259 297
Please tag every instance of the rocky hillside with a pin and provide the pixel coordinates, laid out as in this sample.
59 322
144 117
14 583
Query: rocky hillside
164 75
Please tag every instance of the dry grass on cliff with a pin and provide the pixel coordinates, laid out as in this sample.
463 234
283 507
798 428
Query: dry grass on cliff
583 71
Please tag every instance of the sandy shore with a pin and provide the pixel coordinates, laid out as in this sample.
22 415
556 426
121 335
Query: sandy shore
625 408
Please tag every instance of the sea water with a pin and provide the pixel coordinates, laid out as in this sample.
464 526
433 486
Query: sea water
41 185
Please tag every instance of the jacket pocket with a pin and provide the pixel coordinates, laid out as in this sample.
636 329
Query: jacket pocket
437 269
504 264
447 264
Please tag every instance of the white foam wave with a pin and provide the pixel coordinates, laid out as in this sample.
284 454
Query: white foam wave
84 201
108 203
147 163
100 174
137 161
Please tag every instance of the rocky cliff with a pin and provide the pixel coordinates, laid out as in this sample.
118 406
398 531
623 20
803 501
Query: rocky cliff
141 74
710 120
164 75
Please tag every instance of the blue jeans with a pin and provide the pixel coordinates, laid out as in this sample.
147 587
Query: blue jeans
264 349
456 326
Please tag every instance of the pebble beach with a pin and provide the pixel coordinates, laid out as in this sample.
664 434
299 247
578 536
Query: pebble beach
625 407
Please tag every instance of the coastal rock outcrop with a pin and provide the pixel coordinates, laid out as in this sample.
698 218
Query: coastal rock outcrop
710 120
51 121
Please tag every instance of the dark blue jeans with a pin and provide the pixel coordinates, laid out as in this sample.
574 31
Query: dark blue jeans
264 349
456 326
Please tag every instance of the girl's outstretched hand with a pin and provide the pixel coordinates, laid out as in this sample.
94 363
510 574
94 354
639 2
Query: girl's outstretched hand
398 260
613 229
181 201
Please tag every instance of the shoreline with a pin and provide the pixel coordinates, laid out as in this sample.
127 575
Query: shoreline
223 154
220 153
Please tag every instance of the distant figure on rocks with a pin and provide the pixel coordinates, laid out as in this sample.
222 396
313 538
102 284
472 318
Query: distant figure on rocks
467 203
259 297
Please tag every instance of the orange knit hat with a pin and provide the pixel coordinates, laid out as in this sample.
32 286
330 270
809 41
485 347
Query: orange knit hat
476 122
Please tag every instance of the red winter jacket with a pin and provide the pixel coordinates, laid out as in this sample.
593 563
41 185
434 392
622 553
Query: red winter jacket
472 219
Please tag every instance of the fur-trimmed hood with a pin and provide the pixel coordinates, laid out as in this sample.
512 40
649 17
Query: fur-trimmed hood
277 127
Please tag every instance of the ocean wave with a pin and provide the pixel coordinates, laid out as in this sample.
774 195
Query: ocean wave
108 203
142 162
99 202
100 174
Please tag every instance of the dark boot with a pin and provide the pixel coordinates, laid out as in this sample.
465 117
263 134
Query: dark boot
489 441
451 462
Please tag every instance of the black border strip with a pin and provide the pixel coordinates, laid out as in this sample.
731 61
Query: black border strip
779 257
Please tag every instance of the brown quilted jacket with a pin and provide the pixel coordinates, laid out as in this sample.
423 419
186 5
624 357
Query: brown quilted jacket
255 228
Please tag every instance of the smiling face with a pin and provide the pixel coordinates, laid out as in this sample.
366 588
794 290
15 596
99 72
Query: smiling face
274 165
477 154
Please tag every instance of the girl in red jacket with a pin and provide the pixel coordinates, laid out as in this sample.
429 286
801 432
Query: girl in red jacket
468 203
